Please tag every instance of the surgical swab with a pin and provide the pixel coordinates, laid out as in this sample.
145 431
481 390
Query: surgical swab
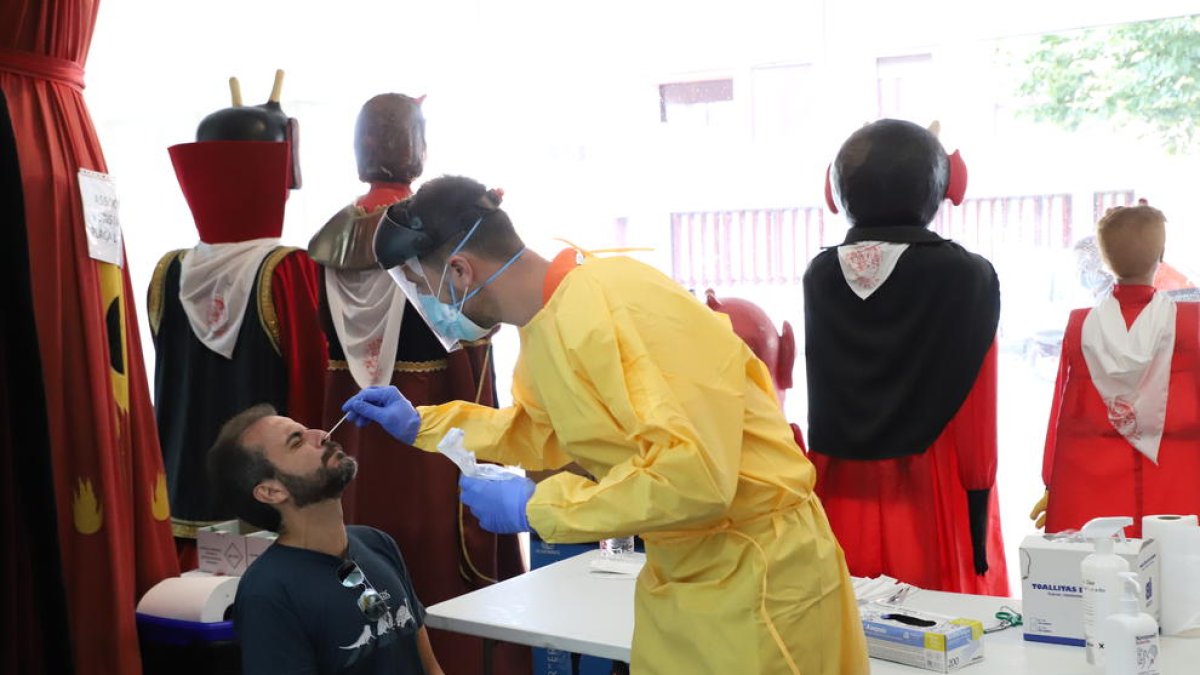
339 423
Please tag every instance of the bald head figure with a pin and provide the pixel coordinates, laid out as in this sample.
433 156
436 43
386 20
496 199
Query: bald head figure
890 172
389 139
1132 240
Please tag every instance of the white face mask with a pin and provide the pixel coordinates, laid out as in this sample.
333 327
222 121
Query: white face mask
447 320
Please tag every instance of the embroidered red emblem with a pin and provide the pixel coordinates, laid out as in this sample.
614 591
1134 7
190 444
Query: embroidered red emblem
1124 418
217 314
371 360
865 263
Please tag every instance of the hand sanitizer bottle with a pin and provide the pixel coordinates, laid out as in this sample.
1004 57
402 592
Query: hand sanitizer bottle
1101 583
1130 635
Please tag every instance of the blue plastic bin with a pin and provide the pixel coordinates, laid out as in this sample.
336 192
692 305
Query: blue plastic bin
175 647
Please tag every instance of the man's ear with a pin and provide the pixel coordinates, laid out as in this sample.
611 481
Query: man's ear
462 269
271 491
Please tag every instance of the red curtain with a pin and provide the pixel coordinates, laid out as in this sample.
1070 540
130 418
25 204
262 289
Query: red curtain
113 521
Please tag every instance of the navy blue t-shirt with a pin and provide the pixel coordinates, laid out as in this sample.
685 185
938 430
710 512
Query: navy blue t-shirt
293 615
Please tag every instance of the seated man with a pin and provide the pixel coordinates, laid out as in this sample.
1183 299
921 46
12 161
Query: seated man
1125 421
325 598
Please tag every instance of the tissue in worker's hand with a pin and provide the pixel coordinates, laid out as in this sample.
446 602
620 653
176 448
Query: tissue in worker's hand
452 446
921 639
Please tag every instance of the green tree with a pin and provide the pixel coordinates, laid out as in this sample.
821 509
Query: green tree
1140 76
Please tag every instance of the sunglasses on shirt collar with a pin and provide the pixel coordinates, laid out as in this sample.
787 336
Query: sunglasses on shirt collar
370 602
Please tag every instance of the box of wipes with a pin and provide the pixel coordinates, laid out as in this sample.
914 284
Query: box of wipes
1052 583
921 639
229 547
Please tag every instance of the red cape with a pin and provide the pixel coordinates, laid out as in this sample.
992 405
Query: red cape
1090 469
907 517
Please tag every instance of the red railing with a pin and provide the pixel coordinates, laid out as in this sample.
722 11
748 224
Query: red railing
993 226
1103 201
749 246
773 246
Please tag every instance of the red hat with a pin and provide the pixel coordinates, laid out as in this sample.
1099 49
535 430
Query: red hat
236 189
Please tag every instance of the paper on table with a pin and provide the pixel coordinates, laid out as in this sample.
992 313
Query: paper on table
1179 571
879 588
625 565
452 447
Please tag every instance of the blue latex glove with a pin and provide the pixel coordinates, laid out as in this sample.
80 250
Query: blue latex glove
388 408
498 504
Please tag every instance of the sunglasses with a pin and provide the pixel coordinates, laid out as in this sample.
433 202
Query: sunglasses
370 602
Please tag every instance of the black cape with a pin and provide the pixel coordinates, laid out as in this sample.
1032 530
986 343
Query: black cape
886 374
196 390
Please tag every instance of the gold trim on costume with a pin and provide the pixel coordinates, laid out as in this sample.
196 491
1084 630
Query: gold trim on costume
401 366
186 529
483 373
462 540
267 315
154 301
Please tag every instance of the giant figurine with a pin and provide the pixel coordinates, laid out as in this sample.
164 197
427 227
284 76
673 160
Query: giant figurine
376 338
235 317
900 329
776 350
83 504
1125 421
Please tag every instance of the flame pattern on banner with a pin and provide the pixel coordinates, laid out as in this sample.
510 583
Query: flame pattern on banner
88 513
160 507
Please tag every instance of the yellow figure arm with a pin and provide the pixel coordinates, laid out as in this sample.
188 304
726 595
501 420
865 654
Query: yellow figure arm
1038 514
648 395
519 435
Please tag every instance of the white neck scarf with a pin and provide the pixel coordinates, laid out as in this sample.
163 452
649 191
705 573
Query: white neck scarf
868 264
367 308
215 281
1131 367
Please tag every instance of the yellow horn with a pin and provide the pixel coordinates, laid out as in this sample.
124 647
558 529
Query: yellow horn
277 88
235 91
935 128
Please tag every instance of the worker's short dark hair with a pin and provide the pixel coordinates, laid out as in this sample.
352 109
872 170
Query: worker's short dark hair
450 205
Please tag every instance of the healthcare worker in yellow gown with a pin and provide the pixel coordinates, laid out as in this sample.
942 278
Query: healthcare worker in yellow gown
650 391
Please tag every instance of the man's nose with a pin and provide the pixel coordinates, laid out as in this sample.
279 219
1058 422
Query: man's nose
314 436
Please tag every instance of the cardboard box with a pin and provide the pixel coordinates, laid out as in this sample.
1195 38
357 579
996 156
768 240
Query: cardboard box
256 543
229 547
1052 584
934 642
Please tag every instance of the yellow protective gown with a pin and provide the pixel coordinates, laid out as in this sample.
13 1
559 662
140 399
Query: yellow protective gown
649 390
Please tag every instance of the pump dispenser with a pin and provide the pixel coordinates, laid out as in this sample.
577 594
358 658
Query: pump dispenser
1101 580
1130 635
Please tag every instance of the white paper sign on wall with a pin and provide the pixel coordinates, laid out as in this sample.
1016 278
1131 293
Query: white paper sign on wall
98 194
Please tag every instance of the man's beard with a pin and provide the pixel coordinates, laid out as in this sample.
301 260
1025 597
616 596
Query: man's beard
325 482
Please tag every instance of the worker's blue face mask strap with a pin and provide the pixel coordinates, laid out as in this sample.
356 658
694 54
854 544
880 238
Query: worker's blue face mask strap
448 319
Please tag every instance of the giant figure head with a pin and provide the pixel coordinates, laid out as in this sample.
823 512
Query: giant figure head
389 139
237 174
755 328
893 172
266 122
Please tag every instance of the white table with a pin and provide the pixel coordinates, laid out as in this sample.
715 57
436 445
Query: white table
560 606
563 606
